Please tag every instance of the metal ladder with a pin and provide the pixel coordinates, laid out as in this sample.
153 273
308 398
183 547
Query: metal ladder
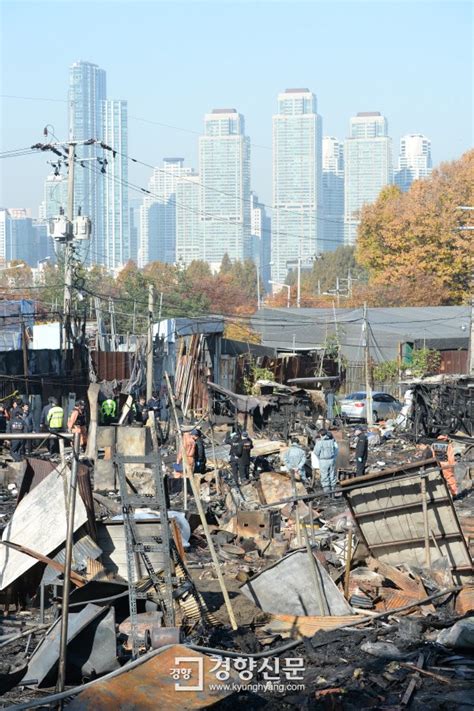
137 545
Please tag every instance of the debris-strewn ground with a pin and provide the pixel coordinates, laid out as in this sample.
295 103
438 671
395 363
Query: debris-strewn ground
386 658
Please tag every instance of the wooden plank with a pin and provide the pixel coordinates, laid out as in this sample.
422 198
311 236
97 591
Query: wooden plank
39 522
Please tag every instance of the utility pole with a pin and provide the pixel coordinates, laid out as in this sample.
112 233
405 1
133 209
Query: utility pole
149 350
259 302
368 387
298 288
68 251
470 363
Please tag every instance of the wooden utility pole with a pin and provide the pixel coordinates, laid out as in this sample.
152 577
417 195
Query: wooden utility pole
189 475
149 349
368 385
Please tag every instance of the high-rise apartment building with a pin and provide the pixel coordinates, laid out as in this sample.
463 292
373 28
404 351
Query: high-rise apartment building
87 93
368 167
189 245
224 168
158 213
414 161
261 237
5 236
115 214
297 181
18 239
54 196
333 192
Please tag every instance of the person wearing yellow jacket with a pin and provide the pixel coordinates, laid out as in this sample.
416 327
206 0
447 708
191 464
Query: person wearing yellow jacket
55 422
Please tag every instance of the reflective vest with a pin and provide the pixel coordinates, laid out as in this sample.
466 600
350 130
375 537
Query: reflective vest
55 418
109 407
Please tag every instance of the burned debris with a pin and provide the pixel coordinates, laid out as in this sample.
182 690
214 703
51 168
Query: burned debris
154 566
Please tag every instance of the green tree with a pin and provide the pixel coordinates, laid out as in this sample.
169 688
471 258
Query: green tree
226 264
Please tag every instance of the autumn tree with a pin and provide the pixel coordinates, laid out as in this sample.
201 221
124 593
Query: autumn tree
413 238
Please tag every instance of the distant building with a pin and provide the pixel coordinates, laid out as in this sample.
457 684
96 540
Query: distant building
18 239
5 236
54 196
158 213
414 161
116 218
368 167
134 212
44 245
297 181
333 192
261 236
189 244
87 93
224 168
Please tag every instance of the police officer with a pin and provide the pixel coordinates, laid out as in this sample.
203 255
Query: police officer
200 465
54 422
154 405
362 452
44 414
244 459
235 451
16 425
29 426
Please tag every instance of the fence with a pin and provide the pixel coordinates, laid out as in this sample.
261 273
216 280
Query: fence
355 381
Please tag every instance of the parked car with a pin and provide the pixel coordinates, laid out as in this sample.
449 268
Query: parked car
384 406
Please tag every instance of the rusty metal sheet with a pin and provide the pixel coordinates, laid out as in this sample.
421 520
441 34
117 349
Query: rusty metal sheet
308 625
465 600
153 684
113 365
36 470
393 599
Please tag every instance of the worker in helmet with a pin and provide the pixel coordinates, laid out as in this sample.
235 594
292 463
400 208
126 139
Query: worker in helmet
54 422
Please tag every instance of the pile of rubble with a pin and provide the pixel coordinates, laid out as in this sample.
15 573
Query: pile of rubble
267 593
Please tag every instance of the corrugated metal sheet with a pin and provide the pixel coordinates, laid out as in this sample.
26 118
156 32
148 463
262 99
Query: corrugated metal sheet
83 549
113 365
388 509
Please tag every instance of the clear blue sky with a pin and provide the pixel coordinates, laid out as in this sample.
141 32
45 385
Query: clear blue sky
175 61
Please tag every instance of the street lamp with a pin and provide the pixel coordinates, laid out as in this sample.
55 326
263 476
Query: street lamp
16 266
259 268
286 286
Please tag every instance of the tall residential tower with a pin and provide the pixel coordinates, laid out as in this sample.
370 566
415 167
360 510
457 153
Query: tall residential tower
224 168
414 161
116 217
368 167
333 192
158 213
87 93
297 180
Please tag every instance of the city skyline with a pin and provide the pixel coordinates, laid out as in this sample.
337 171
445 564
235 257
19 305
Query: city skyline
166 115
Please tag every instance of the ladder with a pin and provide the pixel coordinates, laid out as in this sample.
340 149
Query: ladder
138 546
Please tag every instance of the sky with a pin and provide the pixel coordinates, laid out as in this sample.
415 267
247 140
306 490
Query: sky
173 62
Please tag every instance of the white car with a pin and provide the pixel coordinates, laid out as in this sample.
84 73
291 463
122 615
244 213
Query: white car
384 406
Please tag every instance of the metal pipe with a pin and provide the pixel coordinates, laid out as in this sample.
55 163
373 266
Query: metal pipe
35 435
68 565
